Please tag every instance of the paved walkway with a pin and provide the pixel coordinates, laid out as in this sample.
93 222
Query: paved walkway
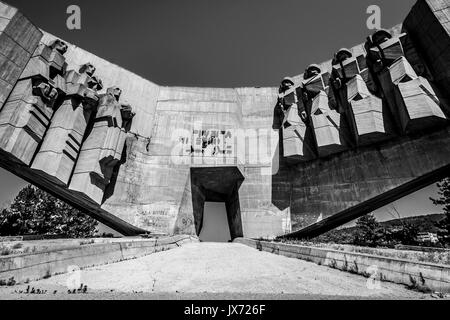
216 270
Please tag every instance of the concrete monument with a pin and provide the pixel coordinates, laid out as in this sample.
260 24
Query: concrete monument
346 137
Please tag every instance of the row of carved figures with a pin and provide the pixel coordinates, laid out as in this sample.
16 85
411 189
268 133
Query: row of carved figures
378 91
56 122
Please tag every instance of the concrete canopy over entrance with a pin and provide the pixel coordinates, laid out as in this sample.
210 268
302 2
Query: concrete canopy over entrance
217 184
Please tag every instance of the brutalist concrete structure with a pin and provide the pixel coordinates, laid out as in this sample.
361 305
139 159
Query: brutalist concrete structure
346 137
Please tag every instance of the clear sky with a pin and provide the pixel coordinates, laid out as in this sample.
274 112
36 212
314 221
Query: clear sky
216 43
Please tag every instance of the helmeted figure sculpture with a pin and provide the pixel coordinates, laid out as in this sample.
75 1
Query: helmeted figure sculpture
103 147
298 143
61 146
359 98
410 96
329 129
26 115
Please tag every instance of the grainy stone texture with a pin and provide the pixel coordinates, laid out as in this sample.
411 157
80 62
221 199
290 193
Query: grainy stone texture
337 142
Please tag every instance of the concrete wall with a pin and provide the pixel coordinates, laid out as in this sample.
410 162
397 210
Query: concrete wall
428 23
432 276
152 189
35 266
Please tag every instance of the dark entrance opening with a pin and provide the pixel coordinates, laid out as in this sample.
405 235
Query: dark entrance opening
217 185
215 223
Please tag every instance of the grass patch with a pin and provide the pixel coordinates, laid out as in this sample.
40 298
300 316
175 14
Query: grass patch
419 285
9 283
47 275
86 242
17 246
5 251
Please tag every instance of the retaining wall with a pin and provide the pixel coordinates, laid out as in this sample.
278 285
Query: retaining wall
38 265
431 276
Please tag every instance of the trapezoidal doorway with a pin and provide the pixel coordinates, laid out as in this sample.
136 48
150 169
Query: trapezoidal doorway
217 185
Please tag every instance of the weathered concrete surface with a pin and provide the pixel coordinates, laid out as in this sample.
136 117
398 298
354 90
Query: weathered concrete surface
58 258
428 25
18 40
224 268
140 177
20 123
345 187
435 277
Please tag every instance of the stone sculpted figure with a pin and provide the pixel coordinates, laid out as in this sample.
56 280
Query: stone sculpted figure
102 150
59 46
411 97
61 146
325 121
295 132
358 98
26 115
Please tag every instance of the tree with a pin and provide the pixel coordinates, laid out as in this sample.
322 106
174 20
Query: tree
407 235
444 200
369 231
35 212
